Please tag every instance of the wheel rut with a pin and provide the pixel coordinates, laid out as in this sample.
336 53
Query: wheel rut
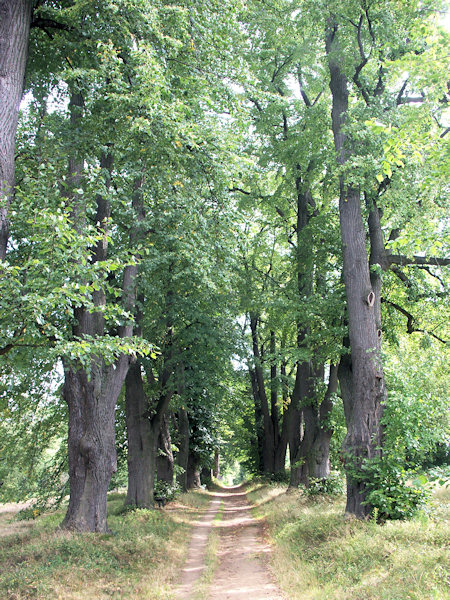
242 568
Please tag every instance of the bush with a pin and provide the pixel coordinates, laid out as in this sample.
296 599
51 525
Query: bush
392 491
333 485
166 490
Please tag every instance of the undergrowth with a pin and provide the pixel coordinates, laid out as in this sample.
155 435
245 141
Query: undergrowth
320 555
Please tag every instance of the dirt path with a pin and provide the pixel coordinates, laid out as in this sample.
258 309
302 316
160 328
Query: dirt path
242 570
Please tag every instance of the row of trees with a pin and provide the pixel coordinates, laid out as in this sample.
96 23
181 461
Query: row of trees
217 216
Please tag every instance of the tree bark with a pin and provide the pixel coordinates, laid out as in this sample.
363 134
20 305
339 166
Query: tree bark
91 397
164 460
268 447
192 473
216 468
205 476
368 388
148 421
15 19
302 419
320 467
91 441
258 422
183 448
141 470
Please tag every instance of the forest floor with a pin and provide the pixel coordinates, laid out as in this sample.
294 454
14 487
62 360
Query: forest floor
228 558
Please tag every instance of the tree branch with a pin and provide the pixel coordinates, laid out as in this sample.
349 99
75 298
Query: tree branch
400 259
410 321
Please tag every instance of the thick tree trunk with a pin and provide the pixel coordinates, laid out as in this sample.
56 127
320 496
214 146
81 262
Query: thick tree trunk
183 448
368 389
302 437
192 473
15 19
164 461
92 453
92 399
143 433
205 476
141 456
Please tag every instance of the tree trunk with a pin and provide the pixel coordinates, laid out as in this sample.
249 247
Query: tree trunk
258 423
164 461
321 446
303 395
368 389
205 476
216 468
192 473
183 448
15 19
141 467
268 449
295 430
92 398
92 453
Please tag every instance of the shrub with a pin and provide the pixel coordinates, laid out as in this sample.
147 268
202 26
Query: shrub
392 491
166 490
333 485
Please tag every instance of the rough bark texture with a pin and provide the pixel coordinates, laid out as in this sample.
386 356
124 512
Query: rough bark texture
140 440
91 441
141 482
301 424
258 423
15 19
368 389
183 447
164 460
91 398
205 476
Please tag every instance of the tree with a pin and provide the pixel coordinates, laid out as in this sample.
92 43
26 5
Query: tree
14 31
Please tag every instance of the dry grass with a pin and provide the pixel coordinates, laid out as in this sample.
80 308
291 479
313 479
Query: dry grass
319 555
139 562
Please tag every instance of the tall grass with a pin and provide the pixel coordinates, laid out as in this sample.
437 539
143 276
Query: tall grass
318 554
139 561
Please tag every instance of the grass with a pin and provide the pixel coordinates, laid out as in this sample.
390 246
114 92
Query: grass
319 555
140 561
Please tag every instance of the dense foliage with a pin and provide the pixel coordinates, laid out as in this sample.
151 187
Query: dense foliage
180 195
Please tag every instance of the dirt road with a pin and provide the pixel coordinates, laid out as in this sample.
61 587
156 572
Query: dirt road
242 567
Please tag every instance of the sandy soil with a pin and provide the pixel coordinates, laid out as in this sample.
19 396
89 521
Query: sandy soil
242 570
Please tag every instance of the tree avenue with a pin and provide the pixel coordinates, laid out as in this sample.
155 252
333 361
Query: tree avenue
223 249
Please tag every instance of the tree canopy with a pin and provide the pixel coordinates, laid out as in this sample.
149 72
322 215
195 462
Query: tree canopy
229 220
